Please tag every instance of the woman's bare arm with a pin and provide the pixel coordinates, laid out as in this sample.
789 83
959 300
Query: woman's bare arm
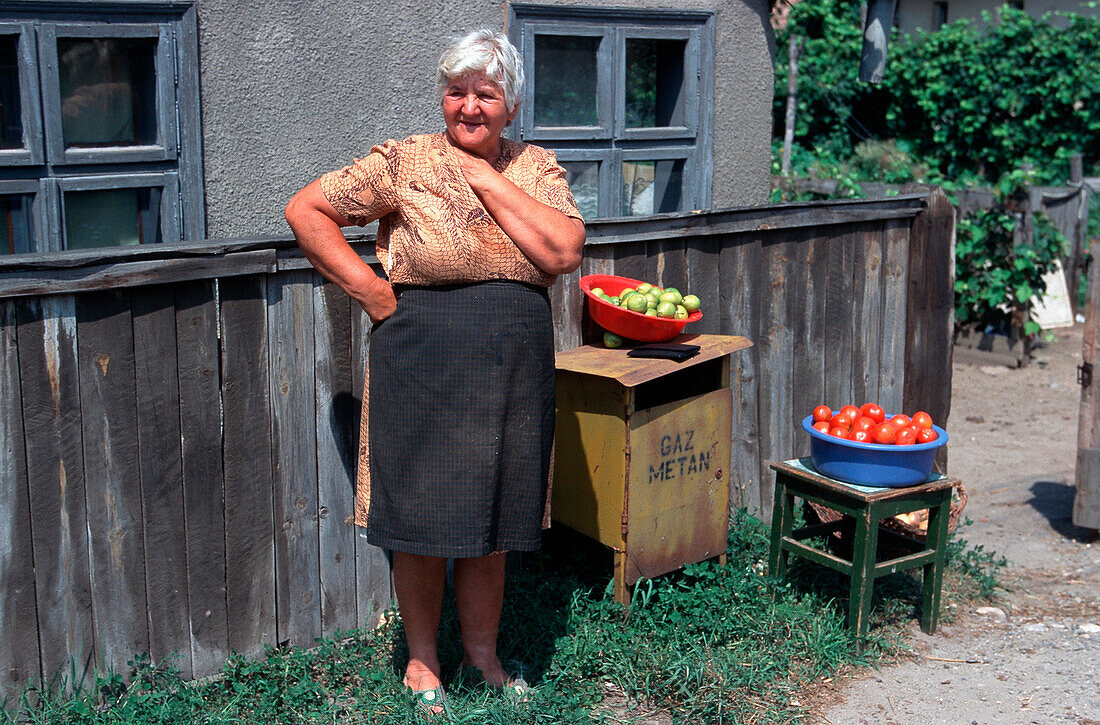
316 226
549 238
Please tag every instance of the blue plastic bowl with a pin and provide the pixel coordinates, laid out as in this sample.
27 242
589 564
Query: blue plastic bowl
872 464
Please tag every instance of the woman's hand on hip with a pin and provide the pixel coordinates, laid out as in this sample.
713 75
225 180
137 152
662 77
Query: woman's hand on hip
316 225
377 300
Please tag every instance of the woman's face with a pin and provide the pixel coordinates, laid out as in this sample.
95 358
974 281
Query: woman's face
475 114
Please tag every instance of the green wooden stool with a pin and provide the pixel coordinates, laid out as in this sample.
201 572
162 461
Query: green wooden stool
866 506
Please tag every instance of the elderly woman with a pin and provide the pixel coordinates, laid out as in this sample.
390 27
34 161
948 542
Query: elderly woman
458 423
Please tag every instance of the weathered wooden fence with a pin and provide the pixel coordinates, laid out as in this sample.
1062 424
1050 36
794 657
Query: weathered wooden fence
178 423
1066 207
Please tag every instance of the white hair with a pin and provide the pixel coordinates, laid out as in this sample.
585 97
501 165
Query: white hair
484 51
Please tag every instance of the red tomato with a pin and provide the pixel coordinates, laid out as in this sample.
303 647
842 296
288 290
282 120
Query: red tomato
851 410
905 437
922 419
874 412
823 426
884 433
915 428
862 436
841 420
839 432
863 423
901 420
822 412
926 435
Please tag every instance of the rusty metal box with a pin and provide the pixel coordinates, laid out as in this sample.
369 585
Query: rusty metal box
642 451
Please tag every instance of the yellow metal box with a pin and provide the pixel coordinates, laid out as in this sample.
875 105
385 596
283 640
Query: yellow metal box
642 454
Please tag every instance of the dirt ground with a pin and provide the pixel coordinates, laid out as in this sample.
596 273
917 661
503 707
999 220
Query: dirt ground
1033 657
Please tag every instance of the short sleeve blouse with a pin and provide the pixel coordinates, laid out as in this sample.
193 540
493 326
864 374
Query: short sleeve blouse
432 227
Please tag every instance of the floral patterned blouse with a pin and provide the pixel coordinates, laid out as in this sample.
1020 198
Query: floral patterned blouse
432 227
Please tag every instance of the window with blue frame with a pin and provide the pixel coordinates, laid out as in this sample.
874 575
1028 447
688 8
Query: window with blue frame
624 97
99 130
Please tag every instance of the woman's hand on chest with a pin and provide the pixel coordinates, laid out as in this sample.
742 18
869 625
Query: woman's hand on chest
479 173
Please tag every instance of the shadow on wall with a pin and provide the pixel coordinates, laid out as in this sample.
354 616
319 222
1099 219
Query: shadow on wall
1054 500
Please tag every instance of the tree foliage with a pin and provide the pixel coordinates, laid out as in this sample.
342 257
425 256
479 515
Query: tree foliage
973 100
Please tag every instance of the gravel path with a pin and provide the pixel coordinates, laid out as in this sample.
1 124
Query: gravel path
1034 657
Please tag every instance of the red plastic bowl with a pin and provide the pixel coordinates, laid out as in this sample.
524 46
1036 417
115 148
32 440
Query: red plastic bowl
624 322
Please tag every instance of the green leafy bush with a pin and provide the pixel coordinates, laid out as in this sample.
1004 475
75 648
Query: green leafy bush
996 278
973 100
888 162
986 97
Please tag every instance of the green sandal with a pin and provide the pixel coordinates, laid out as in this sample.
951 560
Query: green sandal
515 688
426 701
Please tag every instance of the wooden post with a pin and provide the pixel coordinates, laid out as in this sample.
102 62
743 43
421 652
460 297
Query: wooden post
793 50
1086 504
1075 264
1076 168
930 310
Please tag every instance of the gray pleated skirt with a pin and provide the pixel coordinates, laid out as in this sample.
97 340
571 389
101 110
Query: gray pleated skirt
461 419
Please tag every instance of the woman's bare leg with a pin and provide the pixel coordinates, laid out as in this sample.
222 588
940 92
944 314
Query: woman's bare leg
479 595
418 582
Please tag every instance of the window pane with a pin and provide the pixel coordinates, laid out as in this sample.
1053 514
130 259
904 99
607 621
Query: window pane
108 91
655 82
584 180
652 187
11 112
112 218
939 15
16 229
565 80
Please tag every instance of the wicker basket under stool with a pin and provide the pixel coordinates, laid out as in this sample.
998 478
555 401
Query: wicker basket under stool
816 513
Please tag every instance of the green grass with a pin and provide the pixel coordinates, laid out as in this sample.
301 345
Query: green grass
709 644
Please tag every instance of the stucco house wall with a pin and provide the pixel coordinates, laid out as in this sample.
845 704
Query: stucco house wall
291 90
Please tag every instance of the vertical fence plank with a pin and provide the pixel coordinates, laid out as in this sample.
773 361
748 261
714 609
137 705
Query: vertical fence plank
867 315
701 278
372 569
156 383
557 309
55 473
838 321
18 633
930 307
598 259
112 486
895 268
808 281
337 427
739 265
665 264
774 359
567 321
297 576
855 271
630 260
249 526
203 483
